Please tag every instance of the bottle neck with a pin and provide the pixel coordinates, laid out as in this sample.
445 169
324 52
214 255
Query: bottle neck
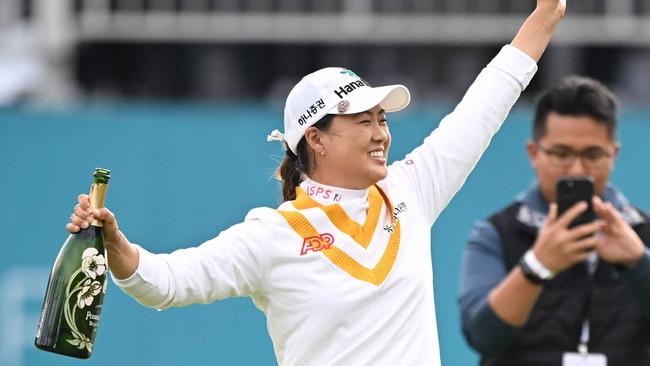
97 198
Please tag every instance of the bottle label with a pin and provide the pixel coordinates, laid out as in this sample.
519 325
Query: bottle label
86 284
93 320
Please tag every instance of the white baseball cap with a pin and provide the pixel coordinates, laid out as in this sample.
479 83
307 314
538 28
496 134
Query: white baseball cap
334 90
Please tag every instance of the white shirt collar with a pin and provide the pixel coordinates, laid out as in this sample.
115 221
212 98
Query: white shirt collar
327 195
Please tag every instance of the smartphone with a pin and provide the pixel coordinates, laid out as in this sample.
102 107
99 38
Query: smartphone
571 190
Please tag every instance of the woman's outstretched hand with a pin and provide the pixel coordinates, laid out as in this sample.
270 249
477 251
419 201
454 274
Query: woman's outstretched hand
123 258
535 34
558 5
84 214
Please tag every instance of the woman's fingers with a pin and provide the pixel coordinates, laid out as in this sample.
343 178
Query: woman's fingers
84 202
81 217
83 214
79 221
72 228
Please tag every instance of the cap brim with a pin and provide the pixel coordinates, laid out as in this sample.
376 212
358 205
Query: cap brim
391 98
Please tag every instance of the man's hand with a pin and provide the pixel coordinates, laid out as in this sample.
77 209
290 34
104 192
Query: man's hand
559 247
618 242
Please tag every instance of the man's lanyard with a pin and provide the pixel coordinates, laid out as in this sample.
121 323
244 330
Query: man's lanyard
592 264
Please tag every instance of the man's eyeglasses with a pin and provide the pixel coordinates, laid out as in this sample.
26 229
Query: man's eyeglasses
592 157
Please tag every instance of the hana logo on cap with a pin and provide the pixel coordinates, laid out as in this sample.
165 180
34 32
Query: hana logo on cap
322 92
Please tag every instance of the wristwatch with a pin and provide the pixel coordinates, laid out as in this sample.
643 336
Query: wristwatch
534 270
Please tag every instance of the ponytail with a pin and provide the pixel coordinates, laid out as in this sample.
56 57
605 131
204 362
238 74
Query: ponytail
290 172
293 166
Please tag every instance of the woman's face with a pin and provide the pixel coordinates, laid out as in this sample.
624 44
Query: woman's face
353 152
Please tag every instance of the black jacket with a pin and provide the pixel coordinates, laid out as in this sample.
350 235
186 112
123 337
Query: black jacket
617 327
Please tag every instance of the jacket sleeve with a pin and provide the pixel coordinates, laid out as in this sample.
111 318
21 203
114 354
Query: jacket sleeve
483 269
437 169
232 264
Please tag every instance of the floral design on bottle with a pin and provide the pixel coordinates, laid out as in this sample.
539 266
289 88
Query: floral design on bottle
87 282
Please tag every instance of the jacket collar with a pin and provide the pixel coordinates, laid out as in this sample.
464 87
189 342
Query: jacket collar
534 207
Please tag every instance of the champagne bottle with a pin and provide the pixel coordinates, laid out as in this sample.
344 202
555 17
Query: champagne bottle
76 287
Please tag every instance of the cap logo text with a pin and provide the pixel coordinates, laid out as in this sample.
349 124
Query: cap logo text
348 88
311 111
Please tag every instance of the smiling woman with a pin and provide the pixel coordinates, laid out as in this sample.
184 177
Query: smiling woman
342 268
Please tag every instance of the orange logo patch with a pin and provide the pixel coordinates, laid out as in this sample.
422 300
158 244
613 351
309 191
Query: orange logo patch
317 243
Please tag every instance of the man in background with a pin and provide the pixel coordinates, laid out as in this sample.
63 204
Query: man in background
537 292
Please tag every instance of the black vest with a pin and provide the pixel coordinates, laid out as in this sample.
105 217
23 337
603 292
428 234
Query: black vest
617 327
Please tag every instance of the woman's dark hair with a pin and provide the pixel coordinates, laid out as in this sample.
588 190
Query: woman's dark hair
577 96
294 166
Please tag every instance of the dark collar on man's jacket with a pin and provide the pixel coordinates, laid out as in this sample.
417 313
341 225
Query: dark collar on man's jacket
534 207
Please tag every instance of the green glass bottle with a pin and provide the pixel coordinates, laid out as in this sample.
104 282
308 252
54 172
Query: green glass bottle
76 288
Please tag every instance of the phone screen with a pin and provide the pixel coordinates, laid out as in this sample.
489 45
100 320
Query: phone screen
571 190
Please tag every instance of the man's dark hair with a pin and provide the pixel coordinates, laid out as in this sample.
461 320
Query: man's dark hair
577 96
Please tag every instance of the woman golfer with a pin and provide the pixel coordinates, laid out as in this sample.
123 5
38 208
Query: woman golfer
342 268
